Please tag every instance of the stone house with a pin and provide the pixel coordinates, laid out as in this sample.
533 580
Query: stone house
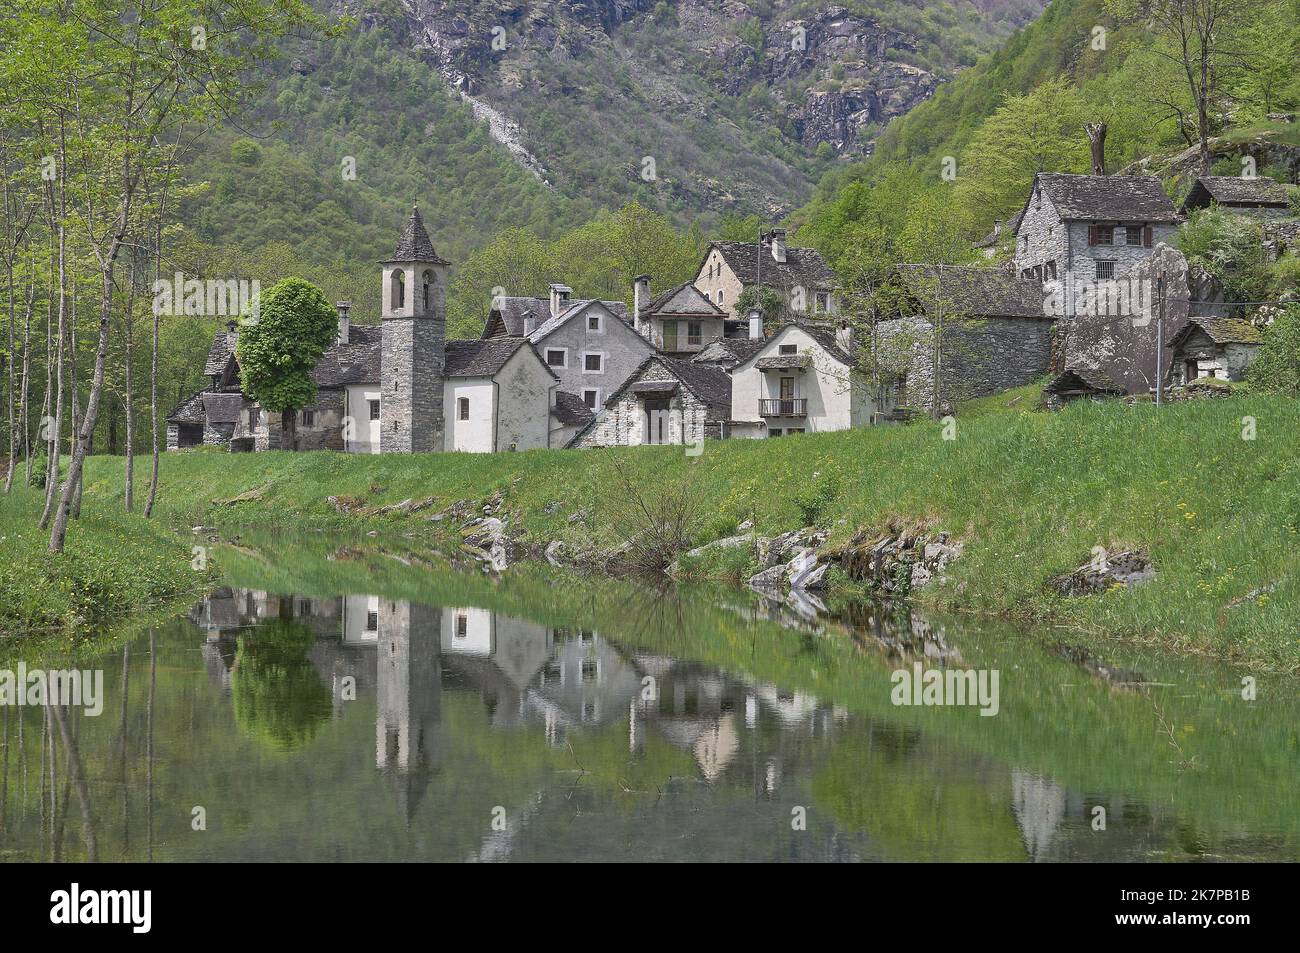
590 345
1221 348
800 275
993 333
1079 383
801 380
1259 195
395 387
665 401
682 321
1090 227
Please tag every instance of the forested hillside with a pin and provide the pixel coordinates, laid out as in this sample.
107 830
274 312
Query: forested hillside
943 175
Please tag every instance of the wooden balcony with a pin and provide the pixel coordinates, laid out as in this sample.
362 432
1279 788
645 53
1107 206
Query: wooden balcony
790 407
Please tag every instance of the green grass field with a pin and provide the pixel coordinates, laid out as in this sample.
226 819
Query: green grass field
1030 493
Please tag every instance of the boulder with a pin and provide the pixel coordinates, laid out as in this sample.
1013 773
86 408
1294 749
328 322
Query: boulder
1126 569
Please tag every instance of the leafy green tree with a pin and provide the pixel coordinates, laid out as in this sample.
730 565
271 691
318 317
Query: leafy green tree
1200 38
1229 248
1041 131
277 350
767 301
1277 368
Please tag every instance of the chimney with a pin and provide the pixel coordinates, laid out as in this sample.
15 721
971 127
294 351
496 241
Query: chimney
530 323
755 325
345 321
844 337
997 227
640 298
778 244
232 326
559 298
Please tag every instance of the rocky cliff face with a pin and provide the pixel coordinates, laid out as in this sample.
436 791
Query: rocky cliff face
739 92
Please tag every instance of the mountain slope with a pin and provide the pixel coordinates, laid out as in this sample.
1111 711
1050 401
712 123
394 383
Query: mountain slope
695 105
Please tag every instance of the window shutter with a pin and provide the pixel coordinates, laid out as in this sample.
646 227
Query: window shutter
1147 235
1092 234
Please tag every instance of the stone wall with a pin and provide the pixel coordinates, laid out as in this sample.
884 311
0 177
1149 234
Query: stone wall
411 414
984 356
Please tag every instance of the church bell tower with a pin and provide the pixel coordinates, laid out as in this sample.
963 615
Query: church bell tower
414 337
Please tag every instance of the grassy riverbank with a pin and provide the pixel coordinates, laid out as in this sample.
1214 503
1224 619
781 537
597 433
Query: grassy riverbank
1030 494
115 568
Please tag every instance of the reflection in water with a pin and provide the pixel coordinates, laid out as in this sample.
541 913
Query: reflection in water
364 727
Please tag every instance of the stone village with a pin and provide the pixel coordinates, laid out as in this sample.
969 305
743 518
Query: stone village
685 364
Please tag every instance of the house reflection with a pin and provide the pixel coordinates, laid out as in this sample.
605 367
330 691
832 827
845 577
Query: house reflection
562 680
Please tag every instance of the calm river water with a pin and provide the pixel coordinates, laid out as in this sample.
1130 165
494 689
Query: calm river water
351 702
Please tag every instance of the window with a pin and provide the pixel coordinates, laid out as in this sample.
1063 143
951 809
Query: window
591 397
788 349
308 418
254 417
822 301
1105 269
462 408
557 357
428 290
1133 235
719 296
397 293
670 335
374 409
774 431
795 430
593 363
372 621
462 625
1105 234
590 670
694 332
594 323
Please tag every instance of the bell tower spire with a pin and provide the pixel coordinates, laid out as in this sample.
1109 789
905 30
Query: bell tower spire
414 338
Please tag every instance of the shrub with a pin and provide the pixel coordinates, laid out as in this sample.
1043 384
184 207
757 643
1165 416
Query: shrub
1277 368
815 499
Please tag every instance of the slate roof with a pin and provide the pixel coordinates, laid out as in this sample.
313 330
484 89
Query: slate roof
804 267
782 361
1075 378
684 299
711 384
482 358
223 408
357 362
1009 227
728 352
188 411
223 348
1127 198
414 243
1220 331
511 311
570 411
507 317
977 292
617 308
1235 190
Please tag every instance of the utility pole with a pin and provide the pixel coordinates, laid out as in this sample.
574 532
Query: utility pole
1160 340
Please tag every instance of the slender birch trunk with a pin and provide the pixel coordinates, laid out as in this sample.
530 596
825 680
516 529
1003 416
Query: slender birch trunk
129 490
153 369
56 427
